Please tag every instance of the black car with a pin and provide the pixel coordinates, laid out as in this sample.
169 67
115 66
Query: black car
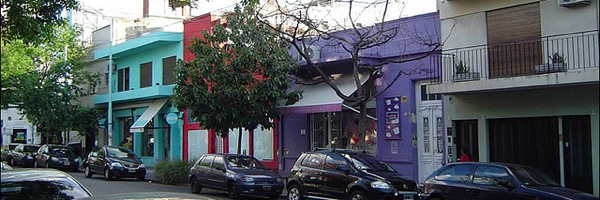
41 184
479 180
114 162
346 174
237 174
56 156
24 155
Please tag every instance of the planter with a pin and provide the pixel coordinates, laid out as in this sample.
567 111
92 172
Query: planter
549 68
469 76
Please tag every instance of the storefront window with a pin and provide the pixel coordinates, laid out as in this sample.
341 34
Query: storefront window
263 144
342 128
148 139
233 141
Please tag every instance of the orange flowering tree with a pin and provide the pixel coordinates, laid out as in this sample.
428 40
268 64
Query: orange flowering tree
239 72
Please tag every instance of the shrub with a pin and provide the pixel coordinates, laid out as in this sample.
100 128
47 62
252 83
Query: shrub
172 172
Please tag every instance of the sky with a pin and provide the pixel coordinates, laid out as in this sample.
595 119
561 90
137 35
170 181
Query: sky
127 8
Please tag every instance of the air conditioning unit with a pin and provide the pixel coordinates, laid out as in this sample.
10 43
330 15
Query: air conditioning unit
569 3
312 52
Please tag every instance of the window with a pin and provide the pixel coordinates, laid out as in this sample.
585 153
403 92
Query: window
218 163
488 175
455 173
169 70
233 141
148 139
333 161
263 144
206 161
428 97
314 160
123 79
146 75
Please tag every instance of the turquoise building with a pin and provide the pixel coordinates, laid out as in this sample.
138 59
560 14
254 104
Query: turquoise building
142 80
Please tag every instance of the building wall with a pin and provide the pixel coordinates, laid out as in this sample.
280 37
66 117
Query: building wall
17 121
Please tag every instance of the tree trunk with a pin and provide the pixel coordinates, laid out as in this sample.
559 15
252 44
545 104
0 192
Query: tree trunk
362 126
239 145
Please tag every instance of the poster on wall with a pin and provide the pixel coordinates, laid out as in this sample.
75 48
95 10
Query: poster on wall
392 118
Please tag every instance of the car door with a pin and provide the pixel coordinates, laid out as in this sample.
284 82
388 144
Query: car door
216 173
101 160
491 183
92 160
336 176
202 168
311 173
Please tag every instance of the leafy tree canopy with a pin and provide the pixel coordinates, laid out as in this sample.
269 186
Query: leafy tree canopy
32 21
239 72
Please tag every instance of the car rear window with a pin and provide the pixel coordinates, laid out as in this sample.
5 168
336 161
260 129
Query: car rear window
30 149
456 173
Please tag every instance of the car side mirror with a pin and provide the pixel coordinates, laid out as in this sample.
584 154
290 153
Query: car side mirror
343 168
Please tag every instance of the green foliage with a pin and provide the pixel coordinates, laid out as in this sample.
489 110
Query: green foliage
43 81
33 21
557 58
461 68
85 121
238 74
173 172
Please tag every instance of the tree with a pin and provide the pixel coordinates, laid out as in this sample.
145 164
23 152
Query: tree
301 24
47 90
239 72
32 21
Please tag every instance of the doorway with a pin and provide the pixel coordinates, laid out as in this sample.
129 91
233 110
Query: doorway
429 131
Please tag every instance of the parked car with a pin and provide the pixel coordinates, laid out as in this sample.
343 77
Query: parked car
56 156
114 162
4 166
21 184
6 150
347 174
479 180
24 155
236 174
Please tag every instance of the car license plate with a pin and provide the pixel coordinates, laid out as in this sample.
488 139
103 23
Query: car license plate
408 197
67 163
131 170
266 187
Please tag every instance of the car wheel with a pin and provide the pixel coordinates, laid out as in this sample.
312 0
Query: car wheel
195 185
87 171
358 195
232 190
107 174
294 192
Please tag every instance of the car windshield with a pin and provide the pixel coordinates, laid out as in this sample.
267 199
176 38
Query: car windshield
30 148
120 153
364 162
530 176
60 151
244 162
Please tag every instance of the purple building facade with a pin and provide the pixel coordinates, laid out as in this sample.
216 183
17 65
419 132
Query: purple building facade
396 129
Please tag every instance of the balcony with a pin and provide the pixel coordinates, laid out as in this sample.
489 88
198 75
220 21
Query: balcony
548 61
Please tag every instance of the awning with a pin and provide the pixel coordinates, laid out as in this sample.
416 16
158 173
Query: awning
141 122
321 97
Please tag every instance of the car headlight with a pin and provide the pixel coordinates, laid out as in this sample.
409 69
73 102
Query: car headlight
380 185
53 159
116 164
248 179
142 166
76 160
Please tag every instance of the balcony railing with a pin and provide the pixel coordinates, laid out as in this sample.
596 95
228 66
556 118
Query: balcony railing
551 54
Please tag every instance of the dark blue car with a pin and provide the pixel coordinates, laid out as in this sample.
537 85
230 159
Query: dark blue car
477 180
236 174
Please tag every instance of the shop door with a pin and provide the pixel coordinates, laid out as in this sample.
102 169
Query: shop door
430 139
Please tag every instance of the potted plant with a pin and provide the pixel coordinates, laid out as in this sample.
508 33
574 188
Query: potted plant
557 64
463 73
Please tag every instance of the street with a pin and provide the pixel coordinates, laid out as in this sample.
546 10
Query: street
100 187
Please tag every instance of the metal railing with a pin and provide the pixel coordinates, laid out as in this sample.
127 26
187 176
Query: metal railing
551 54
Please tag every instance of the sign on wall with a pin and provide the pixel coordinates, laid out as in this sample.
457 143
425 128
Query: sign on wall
392 118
